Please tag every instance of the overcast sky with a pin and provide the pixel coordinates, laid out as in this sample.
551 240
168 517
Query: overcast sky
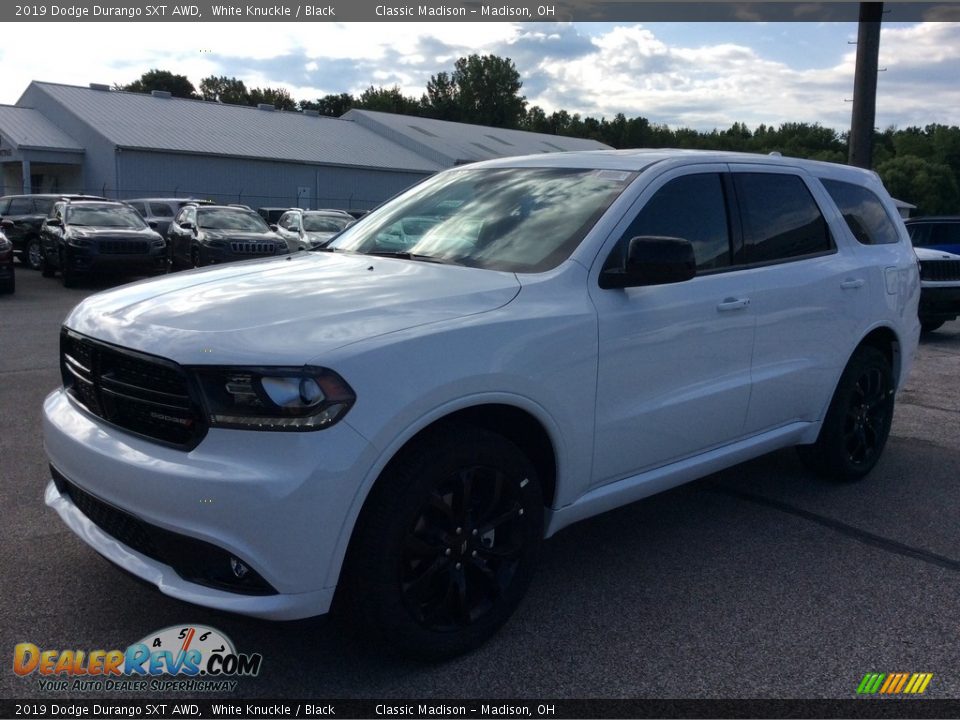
700 75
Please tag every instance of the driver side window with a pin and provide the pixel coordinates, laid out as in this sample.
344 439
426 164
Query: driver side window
692 207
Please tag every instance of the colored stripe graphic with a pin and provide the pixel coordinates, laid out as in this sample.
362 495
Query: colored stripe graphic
894 683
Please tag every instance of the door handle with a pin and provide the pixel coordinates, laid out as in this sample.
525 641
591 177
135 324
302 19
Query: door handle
852 283
729 304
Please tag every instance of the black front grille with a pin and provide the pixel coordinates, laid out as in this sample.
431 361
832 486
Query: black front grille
940 270
193 560
253 248
123 247
145 395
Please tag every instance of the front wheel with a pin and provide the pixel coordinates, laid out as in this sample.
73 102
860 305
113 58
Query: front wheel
857 424
446 544
33 256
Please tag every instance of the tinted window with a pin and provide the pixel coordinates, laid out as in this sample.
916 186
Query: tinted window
288 221
161 210
42 205
139 207
4 205
104 216
945 234
864 213
780 218
692 207
21 206
230 219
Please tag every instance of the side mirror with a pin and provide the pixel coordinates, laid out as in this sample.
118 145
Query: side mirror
652 260
152 224
187 225
273 227
7 224
54 222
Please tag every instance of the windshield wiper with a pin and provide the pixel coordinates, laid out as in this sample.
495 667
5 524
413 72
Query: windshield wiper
403 255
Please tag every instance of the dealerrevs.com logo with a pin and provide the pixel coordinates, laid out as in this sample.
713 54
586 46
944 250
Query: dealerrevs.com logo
180 657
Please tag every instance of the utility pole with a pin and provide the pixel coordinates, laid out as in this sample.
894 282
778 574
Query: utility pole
865 85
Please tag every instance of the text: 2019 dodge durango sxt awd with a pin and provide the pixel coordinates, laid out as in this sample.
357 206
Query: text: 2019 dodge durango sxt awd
405 421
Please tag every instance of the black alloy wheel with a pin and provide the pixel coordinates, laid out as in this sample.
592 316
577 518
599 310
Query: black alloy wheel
463 550
857 424
446 544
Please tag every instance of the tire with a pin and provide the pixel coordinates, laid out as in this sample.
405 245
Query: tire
857 424
67 275
32 254
928 326
446 544
46 269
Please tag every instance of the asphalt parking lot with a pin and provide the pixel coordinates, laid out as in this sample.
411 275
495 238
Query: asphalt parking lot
757 582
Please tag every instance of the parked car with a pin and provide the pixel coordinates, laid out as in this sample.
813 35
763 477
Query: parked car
21 217
571 332
939 287
8 279
159 212
212 234
937 232
310 229
85 237
271 215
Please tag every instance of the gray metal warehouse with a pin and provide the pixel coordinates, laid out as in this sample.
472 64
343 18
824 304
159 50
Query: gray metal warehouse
64 138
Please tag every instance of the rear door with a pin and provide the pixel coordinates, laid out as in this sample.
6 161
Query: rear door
810 297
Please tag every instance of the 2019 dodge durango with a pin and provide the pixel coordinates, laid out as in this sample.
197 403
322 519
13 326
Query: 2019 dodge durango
403 419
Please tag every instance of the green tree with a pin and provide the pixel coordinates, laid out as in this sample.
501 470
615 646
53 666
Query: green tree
930 186
225 90
389 100
330 105
278 97
442 100
176 85
488 91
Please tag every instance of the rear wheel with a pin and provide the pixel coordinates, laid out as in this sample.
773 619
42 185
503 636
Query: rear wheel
446 545
857 423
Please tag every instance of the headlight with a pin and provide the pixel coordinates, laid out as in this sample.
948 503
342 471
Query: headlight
159 243
307 398
75 241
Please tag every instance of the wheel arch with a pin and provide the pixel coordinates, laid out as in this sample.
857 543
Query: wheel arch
884 339
517 419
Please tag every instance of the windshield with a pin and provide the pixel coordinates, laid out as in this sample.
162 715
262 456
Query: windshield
323 223
110 216
230 219
513 219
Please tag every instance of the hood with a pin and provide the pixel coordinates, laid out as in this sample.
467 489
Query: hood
285 311
105 233
934 254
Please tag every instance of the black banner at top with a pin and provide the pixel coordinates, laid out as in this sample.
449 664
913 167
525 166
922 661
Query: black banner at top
461 11
493 709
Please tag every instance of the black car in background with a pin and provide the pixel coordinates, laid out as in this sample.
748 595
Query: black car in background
21 217
7 276
159 212
90 237
214 234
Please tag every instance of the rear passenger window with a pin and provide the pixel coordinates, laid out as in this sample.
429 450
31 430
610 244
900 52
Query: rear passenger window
21 206
691 207
781 220
864 213
140 208
161 210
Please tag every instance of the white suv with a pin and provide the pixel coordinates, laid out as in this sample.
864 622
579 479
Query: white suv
404 422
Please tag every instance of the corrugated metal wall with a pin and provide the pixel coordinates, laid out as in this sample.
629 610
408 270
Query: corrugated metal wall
257 183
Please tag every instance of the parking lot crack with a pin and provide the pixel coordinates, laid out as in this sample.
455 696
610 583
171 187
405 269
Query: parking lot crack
854 533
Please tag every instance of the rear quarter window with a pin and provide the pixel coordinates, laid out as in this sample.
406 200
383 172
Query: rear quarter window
863 212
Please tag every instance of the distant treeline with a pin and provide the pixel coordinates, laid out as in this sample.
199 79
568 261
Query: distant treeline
918 165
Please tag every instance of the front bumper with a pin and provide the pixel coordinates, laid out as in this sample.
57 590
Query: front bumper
86 261
275 500
939 302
